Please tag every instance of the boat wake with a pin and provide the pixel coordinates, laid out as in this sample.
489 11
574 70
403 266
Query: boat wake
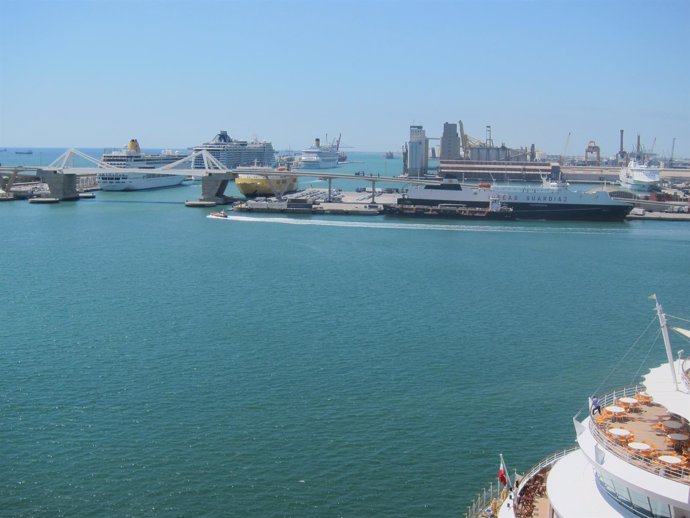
514 227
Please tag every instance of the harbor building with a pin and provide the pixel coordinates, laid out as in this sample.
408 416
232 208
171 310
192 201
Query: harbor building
417 152
498 170
484 161
450 142
233 153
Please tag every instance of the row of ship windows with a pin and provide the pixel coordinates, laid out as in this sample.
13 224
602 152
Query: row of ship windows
111 176
637 503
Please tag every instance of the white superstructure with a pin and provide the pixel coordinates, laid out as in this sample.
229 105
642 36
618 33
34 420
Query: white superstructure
640 177
233 153
320 157
131 157
632 458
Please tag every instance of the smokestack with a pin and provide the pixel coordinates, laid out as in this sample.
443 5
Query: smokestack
317 142
621 150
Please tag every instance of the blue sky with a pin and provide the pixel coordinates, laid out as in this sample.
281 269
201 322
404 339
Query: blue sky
173 73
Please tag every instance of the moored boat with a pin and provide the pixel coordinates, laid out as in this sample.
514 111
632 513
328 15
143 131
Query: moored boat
131 157
640 177
548 200
252 183
234 153
321 157
632 454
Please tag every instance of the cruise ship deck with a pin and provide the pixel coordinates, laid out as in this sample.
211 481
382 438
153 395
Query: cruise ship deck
637 430
641 440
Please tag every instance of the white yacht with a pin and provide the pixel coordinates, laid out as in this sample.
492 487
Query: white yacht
131 157
631 457
640 177
320 157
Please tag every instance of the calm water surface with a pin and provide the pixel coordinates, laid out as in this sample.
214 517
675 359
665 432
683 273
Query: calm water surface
160 363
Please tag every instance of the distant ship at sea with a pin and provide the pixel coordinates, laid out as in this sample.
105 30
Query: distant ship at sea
25 152
389 154
132 157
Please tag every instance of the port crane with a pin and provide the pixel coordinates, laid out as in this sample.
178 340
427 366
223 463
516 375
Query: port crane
467 141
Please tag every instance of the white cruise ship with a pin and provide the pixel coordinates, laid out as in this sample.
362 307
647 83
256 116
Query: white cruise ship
233 153
640 177
132 157
631 457
320 157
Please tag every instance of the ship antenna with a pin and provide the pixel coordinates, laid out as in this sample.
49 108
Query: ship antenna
667 340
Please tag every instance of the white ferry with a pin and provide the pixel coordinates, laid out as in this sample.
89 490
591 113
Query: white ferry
632 457
548 200
640 177
320 157
131 157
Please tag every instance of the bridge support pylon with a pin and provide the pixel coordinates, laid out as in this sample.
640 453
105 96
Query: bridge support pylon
62 186
213 187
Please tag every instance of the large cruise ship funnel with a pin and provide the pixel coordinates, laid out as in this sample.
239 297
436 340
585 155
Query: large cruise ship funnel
133 147
317 142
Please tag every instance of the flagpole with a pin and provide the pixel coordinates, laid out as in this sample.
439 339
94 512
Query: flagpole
505 471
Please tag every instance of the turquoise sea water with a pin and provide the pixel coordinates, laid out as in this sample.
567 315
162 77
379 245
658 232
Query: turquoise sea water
160 363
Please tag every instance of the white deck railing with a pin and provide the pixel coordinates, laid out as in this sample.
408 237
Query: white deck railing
645 462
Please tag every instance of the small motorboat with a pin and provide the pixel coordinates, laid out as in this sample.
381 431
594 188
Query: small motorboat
220 214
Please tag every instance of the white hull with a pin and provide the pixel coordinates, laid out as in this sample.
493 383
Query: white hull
528 201
136 181
131 157
320 157
640 177
321 163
